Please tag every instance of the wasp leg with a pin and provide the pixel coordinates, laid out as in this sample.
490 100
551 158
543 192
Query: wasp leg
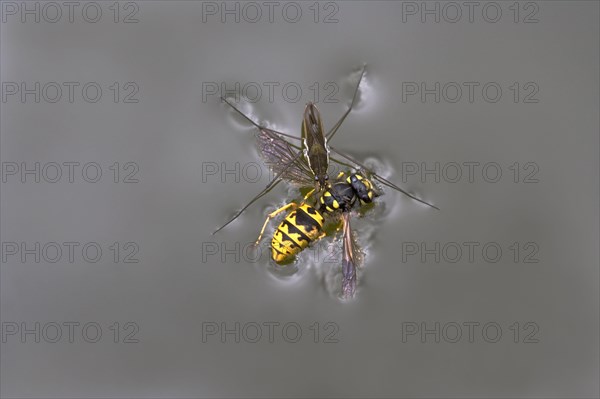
278 211
275 181
339 122
307 196
271 216
261 194
383 180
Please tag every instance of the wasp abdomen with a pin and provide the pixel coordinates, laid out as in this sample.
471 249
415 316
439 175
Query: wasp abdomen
299 228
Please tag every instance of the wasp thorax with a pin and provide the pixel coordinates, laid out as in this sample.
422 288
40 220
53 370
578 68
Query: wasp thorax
339 196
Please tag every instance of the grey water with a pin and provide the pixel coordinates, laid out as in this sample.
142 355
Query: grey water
496 294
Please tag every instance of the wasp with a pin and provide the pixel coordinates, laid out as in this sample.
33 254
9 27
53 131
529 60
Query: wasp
304 224
306 165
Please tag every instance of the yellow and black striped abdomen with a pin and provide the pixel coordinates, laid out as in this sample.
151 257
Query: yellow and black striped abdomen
299 228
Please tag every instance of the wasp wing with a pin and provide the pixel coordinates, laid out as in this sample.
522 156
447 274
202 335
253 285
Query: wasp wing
351 258
283 158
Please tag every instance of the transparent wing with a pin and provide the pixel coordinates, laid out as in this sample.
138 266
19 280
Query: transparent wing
351 258
283 158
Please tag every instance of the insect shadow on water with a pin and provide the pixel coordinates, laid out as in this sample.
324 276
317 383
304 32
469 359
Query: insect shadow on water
304 162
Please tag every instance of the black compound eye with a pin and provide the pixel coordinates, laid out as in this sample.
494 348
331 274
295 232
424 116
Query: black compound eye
326 177
316 178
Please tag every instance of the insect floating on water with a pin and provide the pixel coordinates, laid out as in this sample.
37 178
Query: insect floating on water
305 224
307 165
